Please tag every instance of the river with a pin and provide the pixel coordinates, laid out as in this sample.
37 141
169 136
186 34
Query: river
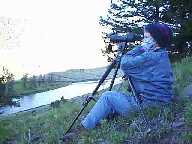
44 98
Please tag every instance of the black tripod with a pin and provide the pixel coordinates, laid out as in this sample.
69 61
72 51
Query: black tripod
116 62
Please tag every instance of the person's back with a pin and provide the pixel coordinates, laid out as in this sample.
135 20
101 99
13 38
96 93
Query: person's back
153 77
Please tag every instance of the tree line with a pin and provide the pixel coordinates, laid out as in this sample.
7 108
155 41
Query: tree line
8 84
35 81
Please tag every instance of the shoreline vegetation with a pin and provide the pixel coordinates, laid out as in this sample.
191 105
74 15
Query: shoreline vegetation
47 124
58 80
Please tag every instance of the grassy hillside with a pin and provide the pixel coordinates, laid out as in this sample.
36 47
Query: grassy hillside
183 74
76 75
47 124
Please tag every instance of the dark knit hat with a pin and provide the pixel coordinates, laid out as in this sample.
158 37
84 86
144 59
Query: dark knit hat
161 33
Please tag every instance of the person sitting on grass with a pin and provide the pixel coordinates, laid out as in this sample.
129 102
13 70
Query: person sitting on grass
149 68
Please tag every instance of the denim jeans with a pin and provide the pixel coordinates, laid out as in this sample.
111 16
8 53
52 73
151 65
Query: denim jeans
109 102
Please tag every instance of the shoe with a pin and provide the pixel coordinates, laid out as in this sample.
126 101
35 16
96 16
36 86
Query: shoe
68 137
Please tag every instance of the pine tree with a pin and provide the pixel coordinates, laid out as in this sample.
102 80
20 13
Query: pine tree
126 16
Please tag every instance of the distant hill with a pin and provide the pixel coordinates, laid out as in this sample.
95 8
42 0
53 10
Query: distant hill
78 75
54 80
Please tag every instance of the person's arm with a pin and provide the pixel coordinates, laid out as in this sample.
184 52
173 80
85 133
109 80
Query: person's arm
136 51
130 61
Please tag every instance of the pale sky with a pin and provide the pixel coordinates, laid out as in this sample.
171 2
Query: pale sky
56 35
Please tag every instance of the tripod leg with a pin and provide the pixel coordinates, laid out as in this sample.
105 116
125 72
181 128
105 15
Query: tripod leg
110 67
114 76
76 118
135 94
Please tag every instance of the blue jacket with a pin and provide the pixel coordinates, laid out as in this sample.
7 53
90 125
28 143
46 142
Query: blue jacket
150 72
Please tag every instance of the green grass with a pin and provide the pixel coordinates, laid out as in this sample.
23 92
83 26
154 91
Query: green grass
183 74
183 77
106 133
47 125
188 137
44 127
188 115
188 119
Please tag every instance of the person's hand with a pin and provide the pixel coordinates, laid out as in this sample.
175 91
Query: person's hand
88 99
125 77
121 46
